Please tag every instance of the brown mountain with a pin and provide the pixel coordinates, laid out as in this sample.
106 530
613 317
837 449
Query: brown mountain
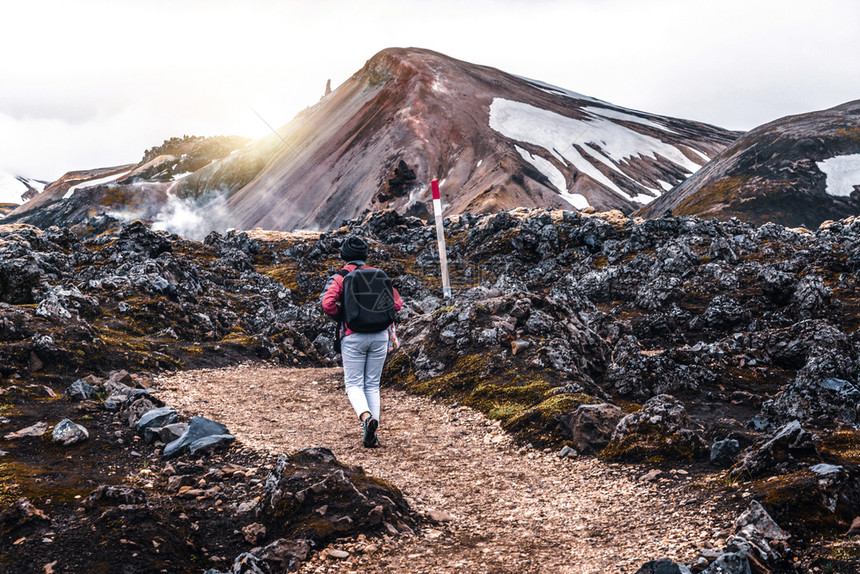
798 170
494 140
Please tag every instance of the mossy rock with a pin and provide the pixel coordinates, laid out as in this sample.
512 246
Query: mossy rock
652 444
541 423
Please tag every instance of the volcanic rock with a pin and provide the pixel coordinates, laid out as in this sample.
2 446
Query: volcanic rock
201 433
658 432
789 442
310 495
592 426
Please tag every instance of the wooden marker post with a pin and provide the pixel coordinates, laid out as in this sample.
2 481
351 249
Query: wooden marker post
440 239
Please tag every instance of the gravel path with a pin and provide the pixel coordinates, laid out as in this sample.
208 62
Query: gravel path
504 508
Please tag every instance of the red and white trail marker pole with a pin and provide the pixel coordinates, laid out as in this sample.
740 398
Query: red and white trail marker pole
440 239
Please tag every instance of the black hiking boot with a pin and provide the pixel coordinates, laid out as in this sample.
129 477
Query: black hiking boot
369 439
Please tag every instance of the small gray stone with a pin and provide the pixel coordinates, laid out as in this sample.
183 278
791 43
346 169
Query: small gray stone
757 516
824 469
69 433
170 433
565 452
80 390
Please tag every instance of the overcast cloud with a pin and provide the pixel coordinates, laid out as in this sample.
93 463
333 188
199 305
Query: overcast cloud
93 83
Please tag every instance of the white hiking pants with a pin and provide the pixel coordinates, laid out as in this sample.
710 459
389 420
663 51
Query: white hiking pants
363 357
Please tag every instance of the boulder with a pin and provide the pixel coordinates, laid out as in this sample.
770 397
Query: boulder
310 495
136 410
657 433
284 555
79 390
154 419
69 433
824 392
730 563
171 432
758 517
591 426
790 441
724 452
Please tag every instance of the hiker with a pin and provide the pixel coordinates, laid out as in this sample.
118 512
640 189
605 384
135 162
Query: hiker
364 317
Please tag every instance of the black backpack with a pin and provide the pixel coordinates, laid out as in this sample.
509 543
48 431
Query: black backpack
368 300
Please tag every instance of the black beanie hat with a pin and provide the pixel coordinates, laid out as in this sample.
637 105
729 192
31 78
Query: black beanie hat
353 249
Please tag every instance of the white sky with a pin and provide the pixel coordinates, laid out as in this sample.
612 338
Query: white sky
91 83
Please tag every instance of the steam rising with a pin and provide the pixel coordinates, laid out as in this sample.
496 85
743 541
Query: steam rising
192 218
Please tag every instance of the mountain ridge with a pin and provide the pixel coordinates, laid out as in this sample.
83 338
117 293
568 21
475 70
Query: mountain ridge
777 173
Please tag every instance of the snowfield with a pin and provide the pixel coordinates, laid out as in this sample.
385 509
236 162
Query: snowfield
11 188
602 139
843 174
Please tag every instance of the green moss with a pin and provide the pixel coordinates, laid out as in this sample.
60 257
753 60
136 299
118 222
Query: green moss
520 397
843 447
720 192
541 423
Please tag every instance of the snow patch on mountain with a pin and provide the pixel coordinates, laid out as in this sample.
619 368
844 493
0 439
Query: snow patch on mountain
10 189
555 177
601 138
94 182
13 187
843 174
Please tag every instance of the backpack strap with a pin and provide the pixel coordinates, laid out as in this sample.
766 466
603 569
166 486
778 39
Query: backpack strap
343 272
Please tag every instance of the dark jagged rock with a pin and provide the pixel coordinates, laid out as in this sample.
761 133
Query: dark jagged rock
80 390
201 433
19 519
69 433
110 495
311 496
789 442
154 419
591 426
725 452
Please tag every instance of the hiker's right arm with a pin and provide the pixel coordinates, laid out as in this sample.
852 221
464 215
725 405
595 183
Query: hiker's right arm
331 295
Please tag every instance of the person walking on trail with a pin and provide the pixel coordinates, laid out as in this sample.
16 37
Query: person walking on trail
363 301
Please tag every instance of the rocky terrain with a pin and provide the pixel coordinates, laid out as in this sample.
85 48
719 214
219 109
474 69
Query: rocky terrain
720 349
798 170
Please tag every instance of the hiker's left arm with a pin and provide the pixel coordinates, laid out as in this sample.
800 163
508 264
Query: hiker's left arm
398 302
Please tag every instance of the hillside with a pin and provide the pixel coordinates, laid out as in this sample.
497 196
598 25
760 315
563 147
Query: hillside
796 171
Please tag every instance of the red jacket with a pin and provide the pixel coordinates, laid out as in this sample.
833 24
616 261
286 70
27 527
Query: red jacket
333 293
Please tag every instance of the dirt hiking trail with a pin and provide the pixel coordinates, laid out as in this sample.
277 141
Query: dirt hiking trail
499 507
